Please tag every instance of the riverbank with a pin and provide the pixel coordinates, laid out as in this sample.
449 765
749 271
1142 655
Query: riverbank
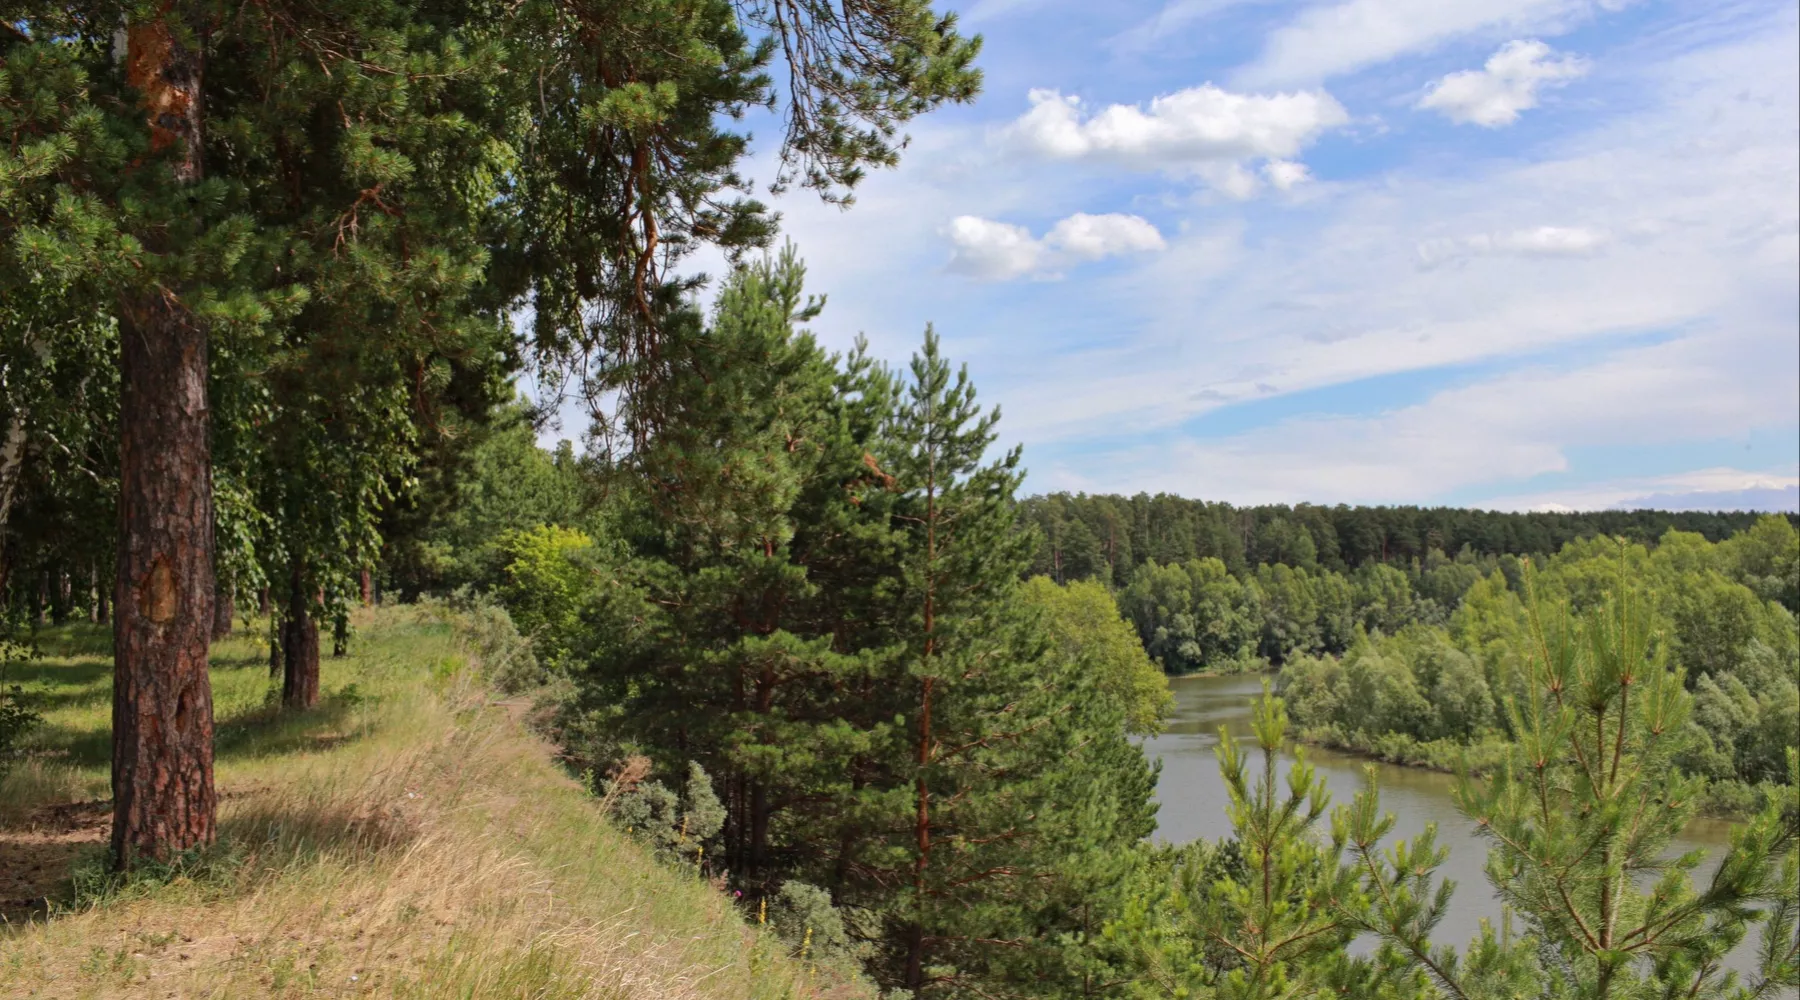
1193 802
408 837
1726 800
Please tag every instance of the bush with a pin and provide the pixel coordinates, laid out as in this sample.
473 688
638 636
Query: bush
804 917
679 827
549 578
485 629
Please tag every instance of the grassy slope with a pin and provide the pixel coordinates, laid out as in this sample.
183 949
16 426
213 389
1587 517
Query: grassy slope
408 839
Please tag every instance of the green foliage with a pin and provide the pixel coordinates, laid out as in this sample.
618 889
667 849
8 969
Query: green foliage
1107 537
549 573
1414 695
680 825
1580 811
502 483
1271 911
1766 558
806 919
816 596
1085 627
1195 616
485 630
1583 812
1282 918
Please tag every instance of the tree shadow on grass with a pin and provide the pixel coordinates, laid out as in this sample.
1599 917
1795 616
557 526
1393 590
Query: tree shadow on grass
259 733
77 747
241 661
53 686
273 731
75 639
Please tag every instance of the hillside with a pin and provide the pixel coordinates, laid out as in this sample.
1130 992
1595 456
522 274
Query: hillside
407 838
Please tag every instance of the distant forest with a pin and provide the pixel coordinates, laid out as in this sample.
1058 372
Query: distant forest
1107 536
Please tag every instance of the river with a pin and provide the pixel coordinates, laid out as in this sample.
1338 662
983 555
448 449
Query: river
1192 797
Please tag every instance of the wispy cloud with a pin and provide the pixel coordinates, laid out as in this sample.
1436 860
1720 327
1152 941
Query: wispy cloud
1170 19
1331 39
1637 235
1702 489
1541 241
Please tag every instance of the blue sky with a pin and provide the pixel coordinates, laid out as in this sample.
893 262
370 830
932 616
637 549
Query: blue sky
1506 253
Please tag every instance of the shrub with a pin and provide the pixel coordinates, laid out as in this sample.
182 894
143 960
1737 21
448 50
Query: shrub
804 917
549 578
678 826
486 631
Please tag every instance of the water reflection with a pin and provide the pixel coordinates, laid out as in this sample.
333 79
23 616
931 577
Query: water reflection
1193 798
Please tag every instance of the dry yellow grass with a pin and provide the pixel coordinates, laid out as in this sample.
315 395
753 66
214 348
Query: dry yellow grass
409 839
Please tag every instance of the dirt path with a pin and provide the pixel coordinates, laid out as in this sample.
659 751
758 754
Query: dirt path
37 856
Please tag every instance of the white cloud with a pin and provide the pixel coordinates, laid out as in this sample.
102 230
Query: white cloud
1543 241
993 251
1000 251
1286 174
1329 39
1508 84
1095 236
1203 130
1678 221
1687 195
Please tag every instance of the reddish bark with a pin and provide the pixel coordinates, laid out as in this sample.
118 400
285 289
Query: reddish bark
163 798
164 802
368 589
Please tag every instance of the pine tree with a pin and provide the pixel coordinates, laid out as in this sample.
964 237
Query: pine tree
1583 813
235 165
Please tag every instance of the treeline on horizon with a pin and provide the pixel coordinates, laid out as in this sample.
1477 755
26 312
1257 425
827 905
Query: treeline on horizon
1106 536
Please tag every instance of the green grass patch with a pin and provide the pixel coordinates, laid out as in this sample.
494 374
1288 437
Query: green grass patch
406 838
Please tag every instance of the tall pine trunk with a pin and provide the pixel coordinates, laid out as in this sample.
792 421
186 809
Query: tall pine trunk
163 798
299 645
164 802
224 610
64 605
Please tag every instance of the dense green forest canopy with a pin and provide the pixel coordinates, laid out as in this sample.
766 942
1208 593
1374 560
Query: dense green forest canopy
1107 536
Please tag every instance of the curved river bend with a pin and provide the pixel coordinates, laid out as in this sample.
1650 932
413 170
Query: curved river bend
1193 798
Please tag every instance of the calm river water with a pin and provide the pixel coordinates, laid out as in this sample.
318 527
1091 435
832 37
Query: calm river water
1193 799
